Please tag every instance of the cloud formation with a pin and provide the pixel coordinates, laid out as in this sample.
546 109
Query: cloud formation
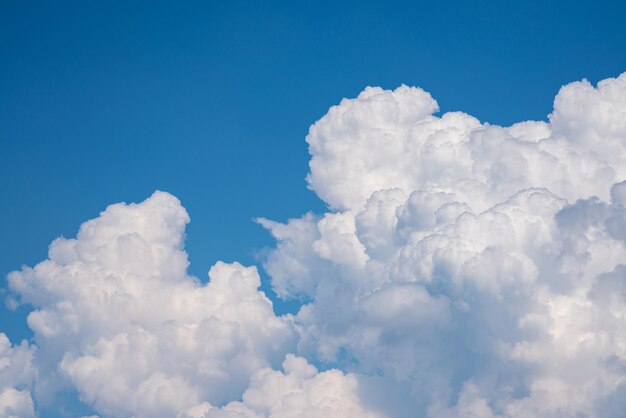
463 270
16 377
117 317
300 391
464 259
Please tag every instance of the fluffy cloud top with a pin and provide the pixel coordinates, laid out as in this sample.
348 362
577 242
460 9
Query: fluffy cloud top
118 318
463 270
464 259
300 391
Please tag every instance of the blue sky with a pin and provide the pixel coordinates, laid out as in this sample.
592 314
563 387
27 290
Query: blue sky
102 102
211 101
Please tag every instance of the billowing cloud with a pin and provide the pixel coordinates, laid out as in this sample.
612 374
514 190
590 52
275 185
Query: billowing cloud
482 266
300 391
118 318
463 270
16 377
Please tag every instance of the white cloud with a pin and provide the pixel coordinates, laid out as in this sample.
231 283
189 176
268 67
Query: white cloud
16 377
298 391
482 277
117 317
463 270
388 139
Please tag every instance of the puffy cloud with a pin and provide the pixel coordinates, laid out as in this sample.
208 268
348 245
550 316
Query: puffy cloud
462 270
390 139
118 318
490 274
16 377
298 391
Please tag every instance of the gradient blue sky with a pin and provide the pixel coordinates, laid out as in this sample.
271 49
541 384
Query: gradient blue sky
102 102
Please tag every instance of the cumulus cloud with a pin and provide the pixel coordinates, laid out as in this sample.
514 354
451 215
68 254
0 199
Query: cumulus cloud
298 391
462 270
16 378
117 317
484 252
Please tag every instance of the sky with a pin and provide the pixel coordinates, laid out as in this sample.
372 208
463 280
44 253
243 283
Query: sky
211 102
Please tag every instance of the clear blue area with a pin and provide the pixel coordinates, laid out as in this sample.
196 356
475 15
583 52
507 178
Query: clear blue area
102 102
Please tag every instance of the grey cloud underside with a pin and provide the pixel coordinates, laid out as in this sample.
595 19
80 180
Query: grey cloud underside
463 270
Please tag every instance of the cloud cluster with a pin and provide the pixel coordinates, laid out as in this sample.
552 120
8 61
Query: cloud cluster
300 391
463 270
117 317
482 266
